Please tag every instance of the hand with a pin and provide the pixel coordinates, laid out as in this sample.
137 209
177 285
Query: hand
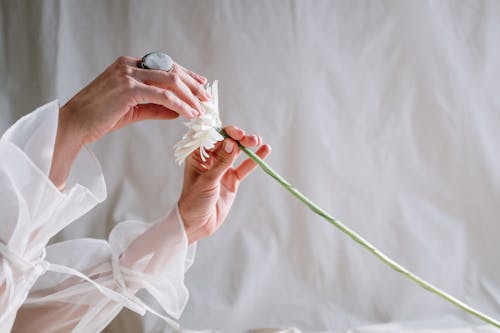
210 187
121 95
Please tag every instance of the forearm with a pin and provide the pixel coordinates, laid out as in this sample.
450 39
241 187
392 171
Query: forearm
164 239
67 146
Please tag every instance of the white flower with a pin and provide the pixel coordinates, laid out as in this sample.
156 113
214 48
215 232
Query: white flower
202 131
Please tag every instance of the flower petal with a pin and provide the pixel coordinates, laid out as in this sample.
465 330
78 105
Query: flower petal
202 133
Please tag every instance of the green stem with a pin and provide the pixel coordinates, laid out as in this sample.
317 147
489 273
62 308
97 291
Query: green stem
357 238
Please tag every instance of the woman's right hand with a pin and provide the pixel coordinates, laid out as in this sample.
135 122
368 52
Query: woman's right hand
121 95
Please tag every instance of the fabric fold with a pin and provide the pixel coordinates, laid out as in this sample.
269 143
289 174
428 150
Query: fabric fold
149 256
78 285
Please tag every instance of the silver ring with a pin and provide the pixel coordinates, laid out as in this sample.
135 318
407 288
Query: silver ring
157 60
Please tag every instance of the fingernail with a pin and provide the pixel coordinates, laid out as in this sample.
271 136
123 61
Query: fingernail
194 113
228 146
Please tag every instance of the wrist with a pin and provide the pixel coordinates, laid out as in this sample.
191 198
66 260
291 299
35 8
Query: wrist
182 214
70 127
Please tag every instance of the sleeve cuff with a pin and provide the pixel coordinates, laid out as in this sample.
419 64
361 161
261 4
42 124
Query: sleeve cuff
131 261
191 248
33 209
26 149
156 260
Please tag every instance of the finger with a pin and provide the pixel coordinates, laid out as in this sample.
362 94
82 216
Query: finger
127 61
201 79
235 132
165 98
223 159
145 112
247 166
153 111
195 164
239 135
250 141
172 81
193 170
185 93
195 87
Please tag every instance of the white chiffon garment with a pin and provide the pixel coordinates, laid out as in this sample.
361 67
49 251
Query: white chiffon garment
77 285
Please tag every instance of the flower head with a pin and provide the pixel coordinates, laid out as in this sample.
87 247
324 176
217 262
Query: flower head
202 132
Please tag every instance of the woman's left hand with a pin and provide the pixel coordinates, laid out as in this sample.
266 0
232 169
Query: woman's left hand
210 187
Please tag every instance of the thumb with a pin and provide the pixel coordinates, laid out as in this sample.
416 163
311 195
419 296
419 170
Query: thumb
224 157
144 112
153 111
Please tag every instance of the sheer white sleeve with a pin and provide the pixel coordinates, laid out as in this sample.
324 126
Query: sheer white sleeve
32 209
138 256
80 284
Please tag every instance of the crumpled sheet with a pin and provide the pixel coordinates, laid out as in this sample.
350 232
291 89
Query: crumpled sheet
386 113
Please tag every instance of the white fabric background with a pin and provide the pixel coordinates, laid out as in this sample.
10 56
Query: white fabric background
386 113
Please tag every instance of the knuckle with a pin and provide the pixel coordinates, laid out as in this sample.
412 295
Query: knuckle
124 71
168 96
121 60
129 83
181 106
198 89
175 79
